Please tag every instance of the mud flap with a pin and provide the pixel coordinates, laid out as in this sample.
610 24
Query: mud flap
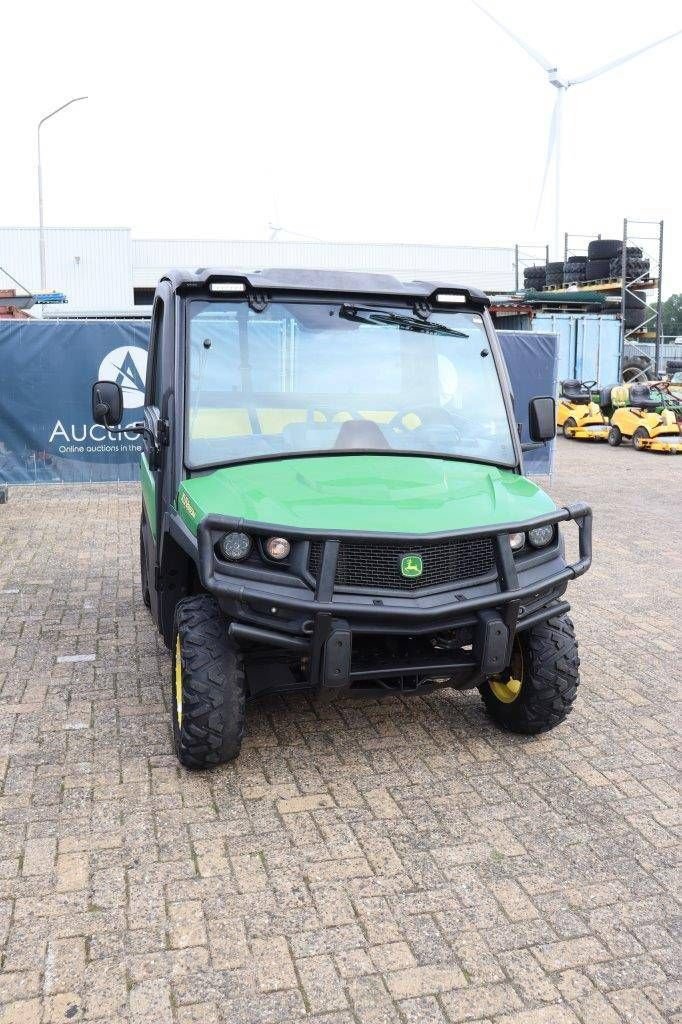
491 643
336 657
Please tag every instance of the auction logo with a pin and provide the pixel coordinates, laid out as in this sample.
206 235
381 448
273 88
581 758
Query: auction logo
126 366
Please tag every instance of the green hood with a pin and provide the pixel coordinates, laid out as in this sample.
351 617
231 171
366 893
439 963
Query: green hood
369 493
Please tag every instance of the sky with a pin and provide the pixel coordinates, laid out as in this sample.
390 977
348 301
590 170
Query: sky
365 121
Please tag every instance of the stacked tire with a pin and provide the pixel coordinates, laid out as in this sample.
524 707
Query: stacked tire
555 273
635 311
535 278
600 252
575 270
635 266
673 366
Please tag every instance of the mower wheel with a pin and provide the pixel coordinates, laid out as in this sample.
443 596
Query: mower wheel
144 575
208 687
640 435
539 688
570 423
614 437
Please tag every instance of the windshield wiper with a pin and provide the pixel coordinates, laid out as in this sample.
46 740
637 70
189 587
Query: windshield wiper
364 315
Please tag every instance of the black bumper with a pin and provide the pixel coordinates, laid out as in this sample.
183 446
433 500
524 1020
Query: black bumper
316 620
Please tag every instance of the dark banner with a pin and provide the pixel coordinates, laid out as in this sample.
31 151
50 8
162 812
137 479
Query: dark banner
532 362
46 372
47 369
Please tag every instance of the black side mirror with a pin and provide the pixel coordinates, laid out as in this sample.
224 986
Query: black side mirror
542 419
107 403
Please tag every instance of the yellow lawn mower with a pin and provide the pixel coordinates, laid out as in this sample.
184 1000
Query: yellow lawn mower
649 414
578 414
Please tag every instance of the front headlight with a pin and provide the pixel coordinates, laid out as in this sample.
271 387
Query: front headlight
541 536
516 541
277 548
235 546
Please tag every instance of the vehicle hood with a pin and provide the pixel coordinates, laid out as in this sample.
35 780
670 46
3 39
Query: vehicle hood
369 493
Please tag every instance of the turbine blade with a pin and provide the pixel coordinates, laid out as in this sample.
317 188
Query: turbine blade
551 143
622 60
538 57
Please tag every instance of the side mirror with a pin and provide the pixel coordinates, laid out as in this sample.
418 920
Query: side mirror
542 419
107 403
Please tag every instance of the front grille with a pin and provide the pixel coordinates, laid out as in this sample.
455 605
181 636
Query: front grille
376 564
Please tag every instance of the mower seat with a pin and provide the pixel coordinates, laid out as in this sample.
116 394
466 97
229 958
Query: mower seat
642 398
606 400
575 391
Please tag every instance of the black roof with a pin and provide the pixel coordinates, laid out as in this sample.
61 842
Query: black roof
330 281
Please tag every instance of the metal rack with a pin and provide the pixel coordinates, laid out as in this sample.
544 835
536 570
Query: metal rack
571 249
652 281
650 326
526 256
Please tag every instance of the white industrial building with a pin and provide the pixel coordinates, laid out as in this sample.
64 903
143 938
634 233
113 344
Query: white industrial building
108 269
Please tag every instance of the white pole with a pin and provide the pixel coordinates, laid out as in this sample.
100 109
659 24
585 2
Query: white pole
43 274
557 178
43 271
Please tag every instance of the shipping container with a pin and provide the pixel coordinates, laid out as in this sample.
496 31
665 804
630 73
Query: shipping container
589 345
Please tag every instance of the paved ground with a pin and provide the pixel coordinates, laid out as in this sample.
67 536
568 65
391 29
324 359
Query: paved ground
370 863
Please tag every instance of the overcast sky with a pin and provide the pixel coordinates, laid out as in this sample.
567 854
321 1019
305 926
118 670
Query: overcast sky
357 121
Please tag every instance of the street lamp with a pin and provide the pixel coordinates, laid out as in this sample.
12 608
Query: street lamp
43 277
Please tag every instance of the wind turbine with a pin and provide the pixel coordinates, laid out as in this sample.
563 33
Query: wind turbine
562 85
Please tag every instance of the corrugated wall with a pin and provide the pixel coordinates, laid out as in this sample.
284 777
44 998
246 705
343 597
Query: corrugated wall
97 268
92 266
491 268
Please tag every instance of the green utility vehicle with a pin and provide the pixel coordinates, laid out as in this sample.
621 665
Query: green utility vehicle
333 501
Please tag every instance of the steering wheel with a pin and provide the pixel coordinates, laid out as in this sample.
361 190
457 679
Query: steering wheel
429 416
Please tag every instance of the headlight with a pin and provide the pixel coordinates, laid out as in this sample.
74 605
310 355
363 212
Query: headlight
277 547
541 536
517 540
235 546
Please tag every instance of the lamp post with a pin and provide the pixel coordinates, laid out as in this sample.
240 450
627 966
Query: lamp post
43 276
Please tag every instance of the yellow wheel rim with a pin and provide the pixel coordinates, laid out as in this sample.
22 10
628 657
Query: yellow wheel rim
178 680
507 690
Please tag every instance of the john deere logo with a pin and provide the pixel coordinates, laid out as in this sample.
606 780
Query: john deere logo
411 566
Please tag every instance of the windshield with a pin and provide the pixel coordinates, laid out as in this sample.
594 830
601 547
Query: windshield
316 377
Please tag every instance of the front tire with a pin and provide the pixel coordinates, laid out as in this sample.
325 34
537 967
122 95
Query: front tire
208 692
641 434
569 424
615 437
538 690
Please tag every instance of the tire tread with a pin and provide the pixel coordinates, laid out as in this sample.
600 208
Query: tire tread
550 684
214 685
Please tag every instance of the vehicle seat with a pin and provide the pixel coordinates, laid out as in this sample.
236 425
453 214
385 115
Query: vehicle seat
362 434
620 396
606 399
576 392
642 398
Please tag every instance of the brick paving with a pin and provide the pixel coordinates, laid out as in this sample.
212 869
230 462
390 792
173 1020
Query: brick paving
362 862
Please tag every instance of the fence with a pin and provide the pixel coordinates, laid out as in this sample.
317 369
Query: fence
46 371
